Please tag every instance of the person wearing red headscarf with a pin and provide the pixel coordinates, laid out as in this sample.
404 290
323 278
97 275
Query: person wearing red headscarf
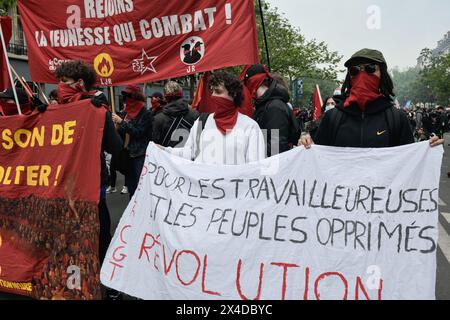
227 136
272 112
8 105
137 126
76 80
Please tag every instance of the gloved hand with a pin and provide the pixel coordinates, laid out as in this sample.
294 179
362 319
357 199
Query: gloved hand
38 104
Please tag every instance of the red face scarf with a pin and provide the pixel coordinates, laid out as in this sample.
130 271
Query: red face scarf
67 94
10 109
255 82
365 89
133 107
155 105
226 114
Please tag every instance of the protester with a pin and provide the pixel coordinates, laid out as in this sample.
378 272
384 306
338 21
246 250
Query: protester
158 102
8 105
271 110
225 137
53 97
312 126
365 115
138 126
175 116
76 80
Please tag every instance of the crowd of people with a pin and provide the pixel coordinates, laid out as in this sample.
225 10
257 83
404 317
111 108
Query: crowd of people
362 115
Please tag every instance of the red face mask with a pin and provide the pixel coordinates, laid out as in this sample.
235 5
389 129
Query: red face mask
155 105
133 107
10 109
365 89
67 94
226 114
255 82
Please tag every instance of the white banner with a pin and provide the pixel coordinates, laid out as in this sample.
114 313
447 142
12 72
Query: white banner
324 223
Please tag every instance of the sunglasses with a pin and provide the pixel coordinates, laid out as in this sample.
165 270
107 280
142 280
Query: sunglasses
369 68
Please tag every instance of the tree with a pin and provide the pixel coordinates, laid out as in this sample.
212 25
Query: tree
294 57
5 5
436 76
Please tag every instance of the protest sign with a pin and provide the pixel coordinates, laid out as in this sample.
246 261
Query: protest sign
329 223
135 41
49 193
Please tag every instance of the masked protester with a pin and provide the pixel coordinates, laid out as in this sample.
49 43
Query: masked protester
8 105
175 116
226 136
272 112
76 81
137 125
158 103
365 115
312 126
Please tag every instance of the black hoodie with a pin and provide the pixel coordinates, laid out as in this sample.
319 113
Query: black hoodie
271 113
368 129
169 119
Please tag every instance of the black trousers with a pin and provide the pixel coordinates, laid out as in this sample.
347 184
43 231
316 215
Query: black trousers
105 229
132 179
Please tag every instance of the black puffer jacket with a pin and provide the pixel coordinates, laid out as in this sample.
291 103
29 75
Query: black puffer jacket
272 112
140 131
369 129
166 121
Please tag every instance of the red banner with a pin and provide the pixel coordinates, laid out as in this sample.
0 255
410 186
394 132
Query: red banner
317 103
6 30
135 41
49 193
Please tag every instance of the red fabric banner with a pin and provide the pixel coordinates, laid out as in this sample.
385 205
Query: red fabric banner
48 210
4 74
317 103
135 41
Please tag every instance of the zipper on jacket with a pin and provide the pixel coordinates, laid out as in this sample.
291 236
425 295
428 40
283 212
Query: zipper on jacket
362 128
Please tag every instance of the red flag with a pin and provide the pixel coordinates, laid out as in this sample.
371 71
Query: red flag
7 29
202 99
141 41
317 103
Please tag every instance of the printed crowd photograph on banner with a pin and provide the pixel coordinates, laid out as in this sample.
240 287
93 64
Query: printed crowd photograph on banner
224 156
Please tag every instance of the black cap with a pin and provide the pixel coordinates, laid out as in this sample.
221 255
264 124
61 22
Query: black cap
366 54
255 69
9 94
157 95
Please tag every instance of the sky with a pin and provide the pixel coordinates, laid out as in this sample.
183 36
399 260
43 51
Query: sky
398 28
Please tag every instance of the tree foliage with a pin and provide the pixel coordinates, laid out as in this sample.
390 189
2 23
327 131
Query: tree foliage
295 57
431 83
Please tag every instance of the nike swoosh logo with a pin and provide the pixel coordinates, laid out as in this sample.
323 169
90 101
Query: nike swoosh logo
381 133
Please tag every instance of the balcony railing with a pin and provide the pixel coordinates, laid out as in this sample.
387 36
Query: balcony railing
17 48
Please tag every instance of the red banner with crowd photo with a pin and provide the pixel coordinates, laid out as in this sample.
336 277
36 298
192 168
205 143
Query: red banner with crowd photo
49 193
136 41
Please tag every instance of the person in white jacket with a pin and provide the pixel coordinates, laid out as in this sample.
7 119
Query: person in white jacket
227 137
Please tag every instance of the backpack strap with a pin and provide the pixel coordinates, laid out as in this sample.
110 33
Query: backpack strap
393 122
201 126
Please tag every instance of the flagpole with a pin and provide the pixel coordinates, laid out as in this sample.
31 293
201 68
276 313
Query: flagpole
111 93
265 35
9 69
